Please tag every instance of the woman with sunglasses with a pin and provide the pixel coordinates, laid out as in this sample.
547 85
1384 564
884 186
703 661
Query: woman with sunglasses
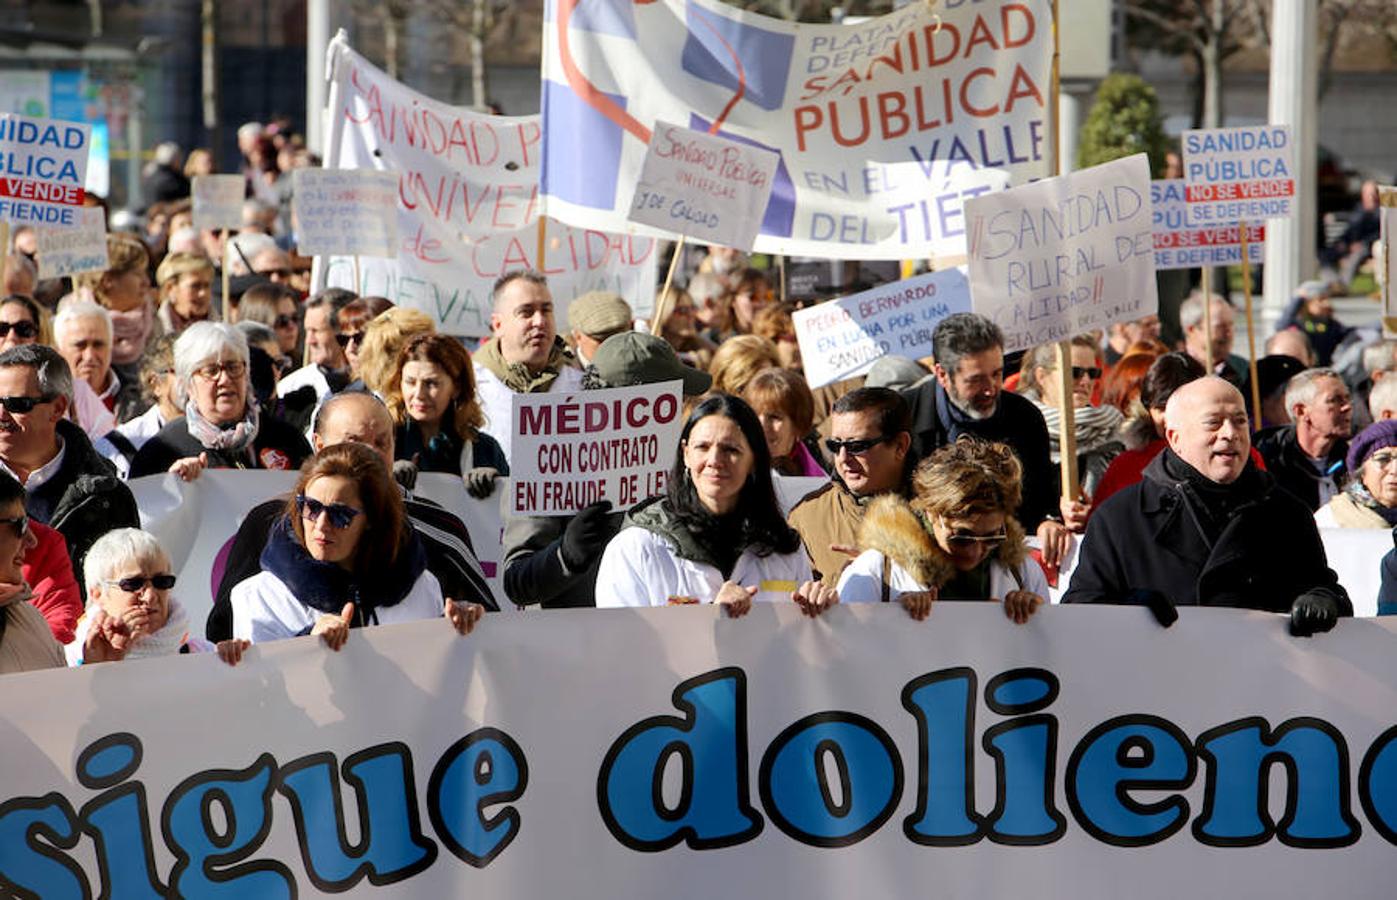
22 322
956 539
342 556
717 534
680 329
1098 428
222 426
438 416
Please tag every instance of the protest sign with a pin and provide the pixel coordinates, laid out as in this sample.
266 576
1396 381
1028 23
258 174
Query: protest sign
1239 174
43 165
703 186
844 338
349 211
572 450
884 127
71 251
1065 255
218 201
468 206
676 753
1179 244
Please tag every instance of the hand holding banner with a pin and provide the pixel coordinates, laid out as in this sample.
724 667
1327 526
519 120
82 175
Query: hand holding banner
348 211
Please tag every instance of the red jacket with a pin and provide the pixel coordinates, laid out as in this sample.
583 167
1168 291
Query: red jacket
49 573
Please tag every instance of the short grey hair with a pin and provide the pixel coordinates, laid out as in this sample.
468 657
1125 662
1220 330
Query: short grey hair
166 153
1383 396
74 308
117 547
1191 310
1380 356
245 245
963 334
1302 386
55 378
200 343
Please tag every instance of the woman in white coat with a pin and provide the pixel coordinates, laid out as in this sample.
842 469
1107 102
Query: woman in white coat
344 555
956 539
717 535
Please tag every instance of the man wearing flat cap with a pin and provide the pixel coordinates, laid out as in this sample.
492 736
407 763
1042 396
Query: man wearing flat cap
595 316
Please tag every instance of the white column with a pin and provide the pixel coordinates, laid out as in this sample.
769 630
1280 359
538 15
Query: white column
317 39
1070 123
1294 101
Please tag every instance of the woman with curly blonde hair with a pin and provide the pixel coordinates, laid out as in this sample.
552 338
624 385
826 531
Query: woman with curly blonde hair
433 401
956 539
738 361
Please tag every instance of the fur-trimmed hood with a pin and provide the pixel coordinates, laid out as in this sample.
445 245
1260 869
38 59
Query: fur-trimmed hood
891 527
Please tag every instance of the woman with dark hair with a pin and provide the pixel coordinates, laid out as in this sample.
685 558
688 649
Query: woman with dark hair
717 534
342 555
439 418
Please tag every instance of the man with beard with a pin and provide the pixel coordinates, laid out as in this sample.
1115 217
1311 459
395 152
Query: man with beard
524 355
1307 456
1206 527
967 397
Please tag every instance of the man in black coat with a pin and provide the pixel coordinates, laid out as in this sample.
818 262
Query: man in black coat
1307 456
967 397
1206 527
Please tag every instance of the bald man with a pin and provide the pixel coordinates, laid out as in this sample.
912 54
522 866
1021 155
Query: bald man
363 419
1206 527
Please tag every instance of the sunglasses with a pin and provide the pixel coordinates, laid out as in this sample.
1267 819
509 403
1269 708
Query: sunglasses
136 583
341 514
24 330
234 368
969 539
1381 460
855 447
284 322
20 524
23 405
275 273
1079 372
345 338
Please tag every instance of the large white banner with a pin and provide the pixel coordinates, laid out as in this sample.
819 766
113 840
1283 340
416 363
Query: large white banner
884 128
677 753
468 205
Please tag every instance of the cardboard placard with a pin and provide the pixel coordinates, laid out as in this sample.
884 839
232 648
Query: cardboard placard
43 166
72 251
1239 174
349 211
1180 244
218 201
1065 255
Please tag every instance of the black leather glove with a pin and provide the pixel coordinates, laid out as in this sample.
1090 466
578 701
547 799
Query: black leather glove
1162 607
480 481
405 473
1313 612
586 535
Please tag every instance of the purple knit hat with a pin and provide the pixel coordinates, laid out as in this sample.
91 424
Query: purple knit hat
1370 440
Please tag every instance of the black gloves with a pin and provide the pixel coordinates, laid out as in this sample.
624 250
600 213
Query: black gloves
1163 609
1313 612
586 536
405 473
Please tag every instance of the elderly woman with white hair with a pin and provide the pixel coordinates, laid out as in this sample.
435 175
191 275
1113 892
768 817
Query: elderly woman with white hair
131 612
222 427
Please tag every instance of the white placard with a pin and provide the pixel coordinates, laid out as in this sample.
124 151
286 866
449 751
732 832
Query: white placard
218 201
1180 244
348 211
844 338
1240 174
43 166
572 450
697 184
70 251
1065 255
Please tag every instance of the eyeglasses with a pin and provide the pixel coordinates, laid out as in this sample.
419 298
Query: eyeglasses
24 330
233 368
344 339
341 514
20 524
23 405
136 583
855 447
970 539
1079 372
1381 460
275 273
284 322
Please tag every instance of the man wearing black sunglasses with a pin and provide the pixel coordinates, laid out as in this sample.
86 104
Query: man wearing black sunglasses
870 445
68 484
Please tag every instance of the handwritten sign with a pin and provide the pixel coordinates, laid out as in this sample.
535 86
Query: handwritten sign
707 187
572 450
43 165
70 251
1179 244
844 338
1240 174
218 201
1065 255
349 211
